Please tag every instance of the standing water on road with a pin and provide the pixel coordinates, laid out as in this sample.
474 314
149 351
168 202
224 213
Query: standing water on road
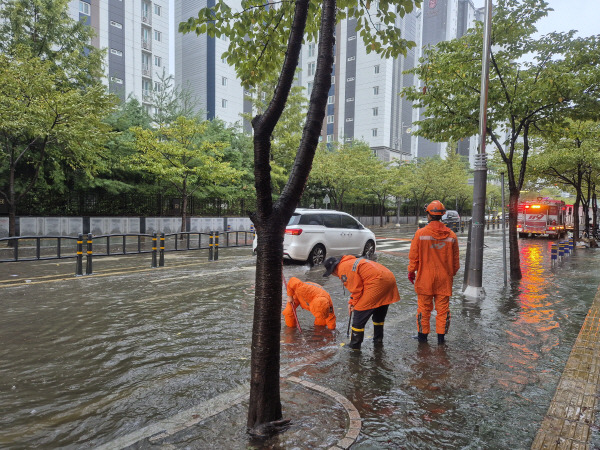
87 360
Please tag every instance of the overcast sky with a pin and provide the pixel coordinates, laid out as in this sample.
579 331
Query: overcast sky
580 15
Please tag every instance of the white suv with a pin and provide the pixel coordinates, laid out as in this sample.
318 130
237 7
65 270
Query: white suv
315 234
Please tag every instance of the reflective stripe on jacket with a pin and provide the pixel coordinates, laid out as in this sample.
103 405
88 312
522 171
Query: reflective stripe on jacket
434 256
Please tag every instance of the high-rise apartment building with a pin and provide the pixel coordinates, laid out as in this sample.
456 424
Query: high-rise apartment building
135 34
364 101
200 70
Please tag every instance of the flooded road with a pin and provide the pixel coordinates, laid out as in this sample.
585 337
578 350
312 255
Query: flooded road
86 360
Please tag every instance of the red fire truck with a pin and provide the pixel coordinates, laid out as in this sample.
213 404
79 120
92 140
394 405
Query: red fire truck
541 217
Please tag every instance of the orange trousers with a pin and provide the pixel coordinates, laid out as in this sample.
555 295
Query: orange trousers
425 304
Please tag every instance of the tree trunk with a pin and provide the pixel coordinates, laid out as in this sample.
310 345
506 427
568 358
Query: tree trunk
576 216
184 203
513 241
265 401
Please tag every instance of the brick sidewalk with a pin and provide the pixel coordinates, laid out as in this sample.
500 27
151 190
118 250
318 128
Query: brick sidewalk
571 412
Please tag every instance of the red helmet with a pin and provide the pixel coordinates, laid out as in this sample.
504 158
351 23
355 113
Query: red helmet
436 208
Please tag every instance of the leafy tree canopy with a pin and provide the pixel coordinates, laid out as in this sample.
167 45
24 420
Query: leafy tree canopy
259 33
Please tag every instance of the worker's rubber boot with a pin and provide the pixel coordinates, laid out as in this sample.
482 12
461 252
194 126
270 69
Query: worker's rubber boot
356 339
421 337
441 339
378 334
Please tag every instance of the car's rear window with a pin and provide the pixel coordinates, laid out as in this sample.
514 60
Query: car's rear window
294 219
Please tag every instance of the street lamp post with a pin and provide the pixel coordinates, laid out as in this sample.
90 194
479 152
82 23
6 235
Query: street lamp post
474 287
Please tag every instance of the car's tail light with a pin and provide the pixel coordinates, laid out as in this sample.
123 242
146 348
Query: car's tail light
294 231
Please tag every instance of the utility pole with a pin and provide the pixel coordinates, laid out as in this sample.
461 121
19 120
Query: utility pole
474 289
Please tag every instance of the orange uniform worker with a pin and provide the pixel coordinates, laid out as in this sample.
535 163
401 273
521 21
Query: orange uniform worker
313 298
373 288
435 259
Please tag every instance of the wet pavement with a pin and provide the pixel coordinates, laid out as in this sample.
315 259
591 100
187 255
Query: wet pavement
87 361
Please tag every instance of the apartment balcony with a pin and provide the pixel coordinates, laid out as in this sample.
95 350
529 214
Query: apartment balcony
147 19
147 96
146 72
146 45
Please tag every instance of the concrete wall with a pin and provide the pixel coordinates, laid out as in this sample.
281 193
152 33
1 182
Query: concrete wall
72 226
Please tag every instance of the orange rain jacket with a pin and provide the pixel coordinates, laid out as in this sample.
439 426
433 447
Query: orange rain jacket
371 284
434 256
313 298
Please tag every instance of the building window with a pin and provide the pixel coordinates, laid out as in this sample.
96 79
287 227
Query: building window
349 119
116 24
116 52
224 102
378 26
311 68
116 80
351 38
333 79
375 90
309 88
157 9
350 79
350 99
374 132
351 58
330 119
157 86
157 35
223 81
311 49
330 138
331 99
376 68
375 111
320 138
157 61
84 8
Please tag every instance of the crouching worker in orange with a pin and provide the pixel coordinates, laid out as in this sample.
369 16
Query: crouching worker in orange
372 287
434 257
311 297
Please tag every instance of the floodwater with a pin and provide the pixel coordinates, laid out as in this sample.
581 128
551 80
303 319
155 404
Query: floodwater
84 361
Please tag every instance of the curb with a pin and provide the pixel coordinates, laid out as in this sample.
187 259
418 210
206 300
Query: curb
571 412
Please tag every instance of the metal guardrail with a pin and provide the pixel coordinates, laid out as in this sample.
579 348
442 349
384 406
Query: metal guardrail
119 244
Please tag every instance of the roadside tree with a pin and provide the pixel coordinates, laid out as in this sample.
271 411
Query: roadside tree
179 156
267 41
533 82
346 170
44 124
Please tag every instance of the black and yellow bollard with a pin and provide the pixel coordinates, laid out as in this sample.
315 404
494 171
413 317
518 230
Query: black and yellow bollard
216 246
154 250
79 257
88 263
210 246
554 253
161 256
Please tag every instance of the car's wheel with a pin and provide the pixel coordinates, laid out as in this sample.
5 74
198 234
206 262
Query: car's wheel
369 249
317 255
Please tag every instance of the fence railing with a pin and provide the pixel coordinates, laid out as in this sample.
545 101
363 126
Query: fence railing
33 248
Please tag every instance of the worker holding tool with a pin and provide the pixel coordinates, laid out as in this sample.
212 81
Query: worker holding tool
313 298
433 263
372 287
